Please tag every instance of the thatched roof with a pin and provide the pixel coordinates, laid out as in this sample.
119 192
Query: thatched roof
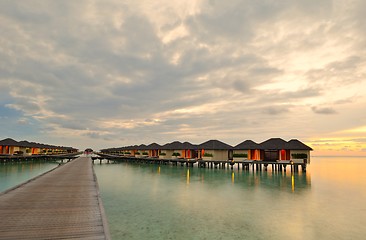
247 145
295 144
153 146
214 145
189 146
26 144
176 145
141 147
8 142
274 144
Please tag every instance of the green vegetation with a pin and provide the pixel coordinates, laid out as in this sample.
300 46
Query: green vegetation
176 154
145 153
240 155
208 155
137 153
127 153
162 154
299 155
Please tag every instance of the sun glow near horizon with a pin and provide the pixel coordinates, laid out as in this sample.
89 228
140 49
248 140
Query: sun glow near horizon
338 146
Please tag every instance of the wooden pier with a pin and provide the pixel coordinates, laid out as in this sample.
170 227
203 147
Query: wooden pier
64 203
275 166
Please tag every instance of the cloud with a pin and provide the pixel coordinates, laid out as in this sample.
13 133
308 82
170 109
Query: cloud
323 110
275 110
172 69
23 121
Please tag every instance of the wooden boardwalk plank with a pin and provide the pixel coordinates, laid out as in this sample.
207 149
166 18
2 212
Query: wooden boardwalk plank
62 204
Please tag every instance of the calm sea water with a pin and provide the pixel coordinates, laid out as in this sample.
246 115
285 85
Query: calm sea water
12 174
169 202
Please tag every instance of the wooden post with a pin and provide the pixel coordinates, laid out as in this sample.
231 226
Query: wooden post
303 167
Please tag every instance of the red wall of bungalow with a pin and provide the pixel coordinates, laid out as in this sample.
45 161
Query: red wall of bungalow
189 153
284 154
7 150
154 153
255 154
186 153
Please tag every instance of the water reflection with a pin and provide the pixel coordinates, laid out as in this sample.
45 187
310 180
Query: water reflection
287 181
188 176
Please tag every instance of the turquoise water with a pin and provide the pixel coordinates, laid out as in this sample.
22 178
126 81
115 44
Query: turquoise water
12 174
169 202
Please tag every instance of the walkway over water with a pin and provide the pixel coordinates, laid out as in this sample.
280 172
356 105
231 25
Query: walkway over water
61 204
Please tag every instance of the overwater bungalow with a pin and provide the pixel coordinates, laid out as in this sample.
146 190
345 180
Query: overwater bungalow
274 149
130 150
190 151
169 149
153 150
178 149
216 150
141 151
247 150
9 146
29 148
278 149
299 151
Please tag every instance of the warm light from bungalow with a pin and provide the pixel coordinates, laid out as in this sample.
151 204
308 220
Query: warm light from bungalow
188 176
232 177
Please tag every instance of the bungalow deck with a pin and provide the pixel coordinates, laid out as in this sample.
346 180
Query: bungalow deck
279 165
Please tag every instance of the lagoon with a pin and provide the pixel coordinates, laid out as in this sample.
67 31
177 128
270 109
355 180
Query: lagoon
12 174
169 202
172 202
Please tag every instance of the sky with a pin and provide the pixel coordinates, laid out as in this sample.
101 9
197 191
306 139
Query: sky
114 73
